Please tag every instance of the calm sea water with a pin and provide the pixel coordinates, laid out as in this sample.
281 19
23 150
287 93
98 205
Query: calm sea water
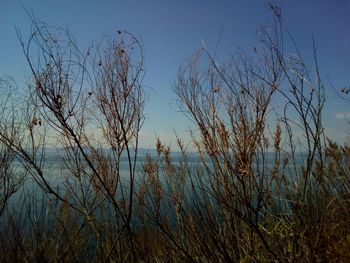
56 172
55 168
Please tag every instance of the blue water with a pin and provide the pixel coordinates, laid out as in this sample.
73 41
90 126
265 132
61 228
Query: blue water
31 198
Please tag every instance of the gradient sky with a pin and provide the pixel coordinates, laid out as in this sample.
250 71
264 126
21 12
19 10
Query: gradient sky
172 30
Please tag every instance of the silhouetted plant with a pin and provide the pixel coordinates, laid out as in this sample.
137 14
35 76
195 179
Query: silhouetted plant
89 104
10 179
251 196
248 187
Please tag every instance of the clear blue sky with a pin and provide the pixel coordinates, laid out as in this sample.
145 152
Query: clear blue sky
172 30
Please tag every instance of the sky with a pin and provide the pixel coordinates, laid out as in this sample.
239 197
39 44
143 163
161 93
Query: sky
171 31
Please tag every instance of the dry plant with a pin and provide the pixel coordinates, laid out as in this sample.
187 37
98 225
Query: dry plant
10 179
242 192
89 106
249 196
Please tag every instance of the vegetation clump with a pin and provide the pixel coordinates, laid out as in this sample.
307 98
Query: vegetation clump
244 192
